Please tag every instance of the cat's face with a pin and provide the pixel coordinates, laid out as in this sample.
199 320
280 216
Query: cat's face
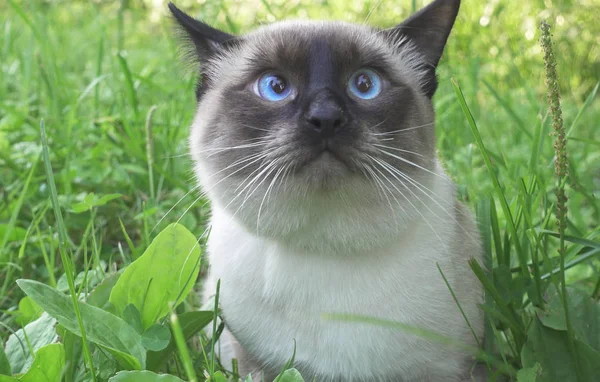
310 116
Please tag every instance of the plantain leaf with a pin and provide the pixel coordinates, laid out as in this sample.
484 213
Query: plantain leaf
165 273
146 376
101 327
39 332
583 311
4 364
47 366
290 375
550 349
529 374
28 311
191 323
156 337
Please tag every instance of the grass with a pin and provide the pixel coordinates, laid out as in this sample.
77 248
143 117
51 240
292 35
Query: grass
116 100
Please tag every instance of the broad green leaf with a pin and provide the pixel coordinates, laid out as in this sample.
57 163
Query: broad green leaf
550 349
165 272
105 364
132 316
100 295
143 376
191 323
4 364
7 378
91 200
28 311
12 233
40 333
529 374
217 377
47 366
290 375
584 313
93 277
101 327
156 337
73 352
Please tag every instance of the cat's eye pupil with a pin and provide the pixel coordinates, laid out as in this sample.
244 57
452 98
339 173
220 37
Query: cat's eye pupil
278 84
363 82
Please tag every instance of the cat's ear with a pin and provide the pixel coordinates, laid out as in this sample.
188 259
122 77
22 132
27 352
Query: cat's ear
206 39
429 28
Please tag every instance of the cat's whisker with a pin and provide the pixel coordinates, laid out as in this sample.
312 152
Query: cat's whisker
256 128
273 181
254 158
424 190
257 158
376 125
371 12
404 130
203 194
175 205
379 162
413 164
266 171
177 156
397 149
383 189
218 150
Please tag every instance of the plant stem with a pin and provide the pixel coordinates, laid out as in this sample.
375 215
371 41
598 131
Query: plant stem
560 172
62 244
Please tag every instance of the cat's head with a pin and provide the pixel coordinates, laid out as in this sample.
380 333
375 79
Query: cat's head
304 128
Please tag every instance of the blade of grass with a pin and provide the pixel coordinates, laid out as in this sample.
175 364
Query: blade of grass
184 353
11 225
506 106
587 103
130 88
497 188
62 243
425 334
150 151
462 312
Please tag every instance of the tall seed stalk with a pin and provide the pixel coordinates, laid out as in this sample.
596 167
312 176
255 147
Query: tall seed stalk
560 170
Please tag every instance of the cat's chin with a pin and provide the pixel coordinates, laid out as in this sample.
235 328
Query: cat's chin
325 171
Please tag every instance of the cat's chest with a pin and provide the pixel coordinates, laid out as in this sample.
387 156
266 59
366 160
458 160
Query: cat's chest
272 300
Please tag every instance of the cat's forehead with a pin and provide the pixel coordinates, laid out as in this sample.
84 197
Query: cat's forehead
304 47
305 38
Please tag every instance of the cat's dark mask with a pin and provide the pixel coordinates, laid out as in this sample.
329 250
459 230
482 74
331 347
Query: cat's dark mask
302 107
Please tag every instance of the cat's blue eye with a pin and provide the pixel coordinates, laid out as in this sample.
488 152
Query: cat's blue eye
365 84
272 87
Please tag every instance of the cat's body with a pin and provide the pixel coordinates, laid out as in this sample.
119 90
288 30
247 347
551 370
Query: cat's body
315 144
272 296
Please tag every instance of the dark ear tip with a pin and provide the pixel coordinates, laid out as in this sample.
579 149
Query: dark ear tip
174 10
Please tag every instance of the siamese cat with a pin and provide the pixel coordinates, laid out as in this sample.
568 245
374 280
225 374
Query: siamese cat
314 142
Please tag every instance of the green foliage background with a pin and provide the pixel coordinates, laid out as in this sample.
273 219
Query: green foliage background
94 70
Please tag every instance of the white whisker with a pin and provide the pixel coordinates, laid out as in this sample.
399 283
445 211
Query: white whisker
404 130
377 161
413 164
397 149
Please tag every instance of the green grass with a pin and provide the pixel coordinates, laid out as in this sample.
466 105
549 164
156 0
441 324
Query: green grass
116 100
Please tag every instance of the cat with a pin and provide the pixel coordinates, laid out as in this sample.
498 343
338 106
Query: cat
315 144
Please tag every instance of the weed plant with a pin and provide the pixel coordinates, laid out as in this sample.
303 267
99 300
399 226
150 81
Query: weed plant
102 229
